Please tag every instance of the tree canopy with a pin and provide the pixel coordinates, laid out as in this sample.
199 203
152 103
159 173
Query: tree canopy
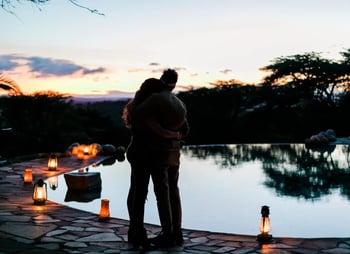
11 5
310 75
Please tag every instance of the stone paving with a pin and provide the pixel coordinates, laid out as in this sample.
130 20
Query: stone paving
55 228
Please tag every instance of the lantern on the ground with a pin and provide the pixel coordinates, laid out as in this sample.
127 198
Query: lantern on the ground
104 211
53 162
265 228
28 175
40 192
86 150
53 182
80 154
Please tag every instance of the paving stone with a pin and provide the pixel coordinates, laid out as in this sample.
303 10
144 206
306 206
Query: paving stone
106 230
49 246
69 228
26 230
75 244
224 250
8 218
46 239
105 237
56 232
337 251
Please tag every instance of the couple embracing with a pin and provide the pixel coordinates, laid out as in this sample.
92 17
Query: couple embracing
158 121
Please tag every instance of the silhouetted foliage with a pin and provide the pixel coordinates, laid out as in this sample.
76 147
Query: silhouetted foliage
11 5
51 122
310 76
301 96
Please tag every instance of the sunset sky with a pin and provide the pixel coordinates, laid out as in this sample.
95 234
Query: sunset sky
68 49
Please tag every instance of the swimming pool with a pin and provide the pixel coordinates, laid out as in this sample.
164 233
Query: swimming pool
224 186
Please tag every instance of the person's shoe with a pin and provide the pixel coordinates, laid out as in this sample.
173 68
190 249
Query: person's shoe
131 236
163 240
179 239
140 240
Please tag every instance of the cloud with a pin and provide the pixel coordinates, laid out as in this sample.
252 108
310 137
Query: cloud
45 67
7 63
226 71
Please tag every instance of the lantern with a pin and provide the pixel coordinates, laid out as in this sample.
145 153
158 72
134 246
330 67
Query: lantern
95 149
28 175
265 228
52 163
80 154
104 211
53 182
40 192
86 150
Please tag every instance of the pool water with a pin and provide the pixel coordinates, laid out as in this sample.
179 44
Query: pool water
223 188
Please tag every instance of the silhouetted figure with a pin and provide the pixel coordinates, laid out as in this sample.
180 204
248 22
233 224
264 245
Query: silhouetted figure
158 121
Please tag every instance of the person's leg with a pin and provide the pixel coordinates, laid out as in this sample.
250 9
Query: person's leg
140 190
161 190
175 201
130 201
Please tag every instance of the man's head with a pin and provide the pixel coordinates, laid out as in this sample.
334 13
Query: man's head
169 78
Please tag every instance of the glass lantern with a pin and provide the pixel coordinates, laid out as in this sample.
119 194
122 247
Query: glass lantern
40 192
265 227
53 162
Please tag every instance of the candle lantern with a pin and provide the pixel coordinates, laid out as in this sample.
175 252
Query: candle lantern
53 182
40 192
28 175
52 163
80 154
265 228
86 149
104 211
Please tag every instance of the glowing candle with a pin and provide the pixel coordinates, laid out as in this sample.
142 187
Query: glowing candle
52 163
28 175
265 228
80 154
104 211
40 192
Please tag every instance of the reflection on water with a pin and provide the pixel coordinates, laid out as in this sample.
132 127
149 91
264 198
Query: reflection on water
224 186
291 170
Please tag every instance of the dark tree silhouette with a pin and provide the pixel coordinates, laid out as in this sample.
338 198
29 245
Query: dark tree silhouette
310 75
9 85
11 5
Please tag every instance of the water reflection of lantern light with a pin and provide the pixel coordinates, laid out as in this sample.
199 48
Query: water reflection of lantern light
53 182
104 211
28 175
40 192
53 162
265 228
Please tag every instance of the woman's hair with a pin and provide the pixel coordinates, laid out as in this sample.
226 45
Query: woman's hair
147 88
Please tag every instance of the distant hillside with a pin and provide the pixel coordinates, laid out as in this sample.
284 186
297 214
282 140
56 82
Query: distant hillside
99 99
